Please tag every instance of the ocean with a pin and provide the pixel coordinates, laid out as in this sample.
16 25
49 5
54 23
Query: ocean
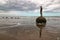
25 27
26 13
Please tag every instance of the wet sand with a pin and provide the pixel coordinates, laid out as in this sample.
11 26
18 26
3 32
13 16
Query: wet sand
25 29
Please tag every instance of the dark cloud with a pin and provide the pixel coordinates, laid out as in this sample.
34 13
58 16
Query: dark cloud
24 5
19 6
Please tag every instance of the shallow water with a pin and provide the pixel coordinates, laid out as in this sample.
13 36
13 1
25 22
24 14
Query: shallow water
25 28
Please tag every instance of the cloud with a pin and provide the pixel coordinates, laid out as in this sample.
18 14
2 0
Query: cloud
19 5
54 6
29 5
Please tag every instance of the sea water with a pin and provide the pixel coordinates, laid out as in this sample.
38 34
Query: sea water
26 13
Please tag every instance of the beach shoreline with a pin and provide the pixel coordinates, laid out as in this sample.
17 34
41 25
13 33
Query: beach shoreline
25 28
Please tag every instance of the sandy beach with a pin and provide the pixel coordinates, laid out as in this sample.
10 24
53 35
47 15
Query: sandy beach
25 29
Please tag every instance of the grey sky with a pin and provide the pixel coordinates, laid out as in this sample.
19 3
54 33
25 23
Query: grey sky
29 5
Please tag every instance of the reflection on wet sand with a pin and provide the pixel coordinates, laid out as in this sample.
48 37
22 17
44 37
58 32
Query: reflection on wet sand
25 29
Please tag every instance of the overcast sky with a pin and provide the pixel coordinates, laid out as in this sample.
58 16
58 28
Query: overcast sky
29 5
